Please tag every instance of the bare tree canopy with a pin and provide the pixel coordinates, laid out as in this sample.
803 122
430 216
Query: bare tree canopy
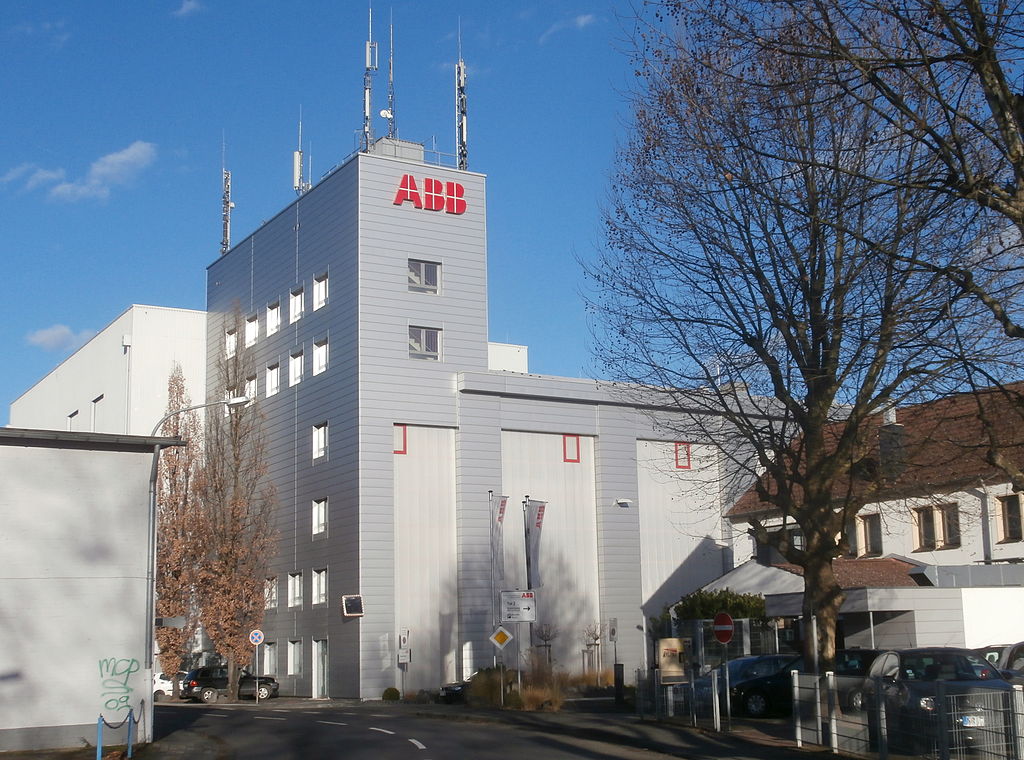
756 272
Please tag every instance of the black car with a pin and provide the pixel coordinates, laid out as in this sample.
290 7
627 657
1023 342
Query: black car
851 669
762 685
906 684
209 683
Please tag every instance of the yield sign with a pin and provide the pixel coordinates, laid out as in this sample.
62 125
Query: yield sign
501 637
723 626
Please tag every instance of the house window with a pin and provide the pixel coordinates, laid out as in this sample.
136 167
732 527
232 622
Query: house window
273 318
295 306
319 516
320 586
269 658
250 388
295 369
270 593
925 519
230 343
295 589
682 456
319 356
1010 521
401 439
570 448
273 378
319 291
320 440
424 276
950 521
425 343
871 534
295 657
252 330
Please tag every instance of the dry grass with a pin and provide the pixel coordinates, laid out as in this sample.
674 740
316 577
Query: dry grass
546 698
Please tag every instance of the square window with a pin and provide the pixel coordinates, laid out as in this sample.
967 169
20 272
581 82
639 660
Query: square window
319 516
296 305
319 291
252 330
424 276
273 318
295 657
319 356
683 461
401 439
320 586
1010 522
270 593
871 534
295 369
295 589
273 379
230 343
425 343
320 440
570 448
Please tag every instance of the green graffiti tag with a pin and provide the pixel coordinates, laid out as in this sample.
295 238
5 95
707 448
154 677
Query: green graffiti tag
115 674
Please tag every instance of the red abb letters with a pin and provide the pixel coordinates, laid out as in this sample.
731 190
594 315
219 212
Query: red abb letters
436 195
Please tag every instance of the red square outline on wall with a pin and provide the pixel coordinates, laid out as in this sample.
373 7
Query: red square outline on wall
682 456
566 452
405 440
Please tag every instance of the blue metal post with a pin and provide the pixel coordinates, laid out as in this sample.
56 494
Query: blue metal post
99 738
131 723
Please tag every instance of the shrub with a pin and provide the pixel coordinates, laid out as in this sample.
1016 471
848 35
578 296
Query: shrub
548 698
391 694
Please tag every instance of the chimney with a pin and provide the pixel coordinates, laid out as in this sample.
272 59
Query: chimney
891 445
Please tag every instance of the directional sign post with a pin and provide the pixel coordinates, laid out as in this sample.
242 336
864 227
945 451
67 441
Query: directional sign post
518 607
723 626
501 637
256 638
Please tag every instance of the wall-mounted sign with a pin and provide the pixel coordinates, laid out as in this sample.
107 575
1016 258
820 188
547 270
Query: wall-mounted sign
352 605
435 196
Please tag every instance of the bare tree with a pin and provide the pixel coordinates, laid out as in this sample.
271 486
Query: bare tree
755 283
238 503
178 542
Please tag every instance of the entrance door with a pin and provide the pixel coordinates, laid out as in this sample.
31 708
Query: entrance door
319 668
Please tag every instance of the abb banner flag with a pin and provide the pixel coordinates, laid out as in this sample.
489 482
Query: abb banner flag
498 540
534 523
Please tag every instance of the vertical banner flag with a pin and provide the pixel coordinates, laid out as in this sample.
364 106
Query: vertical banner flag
498 541
535 518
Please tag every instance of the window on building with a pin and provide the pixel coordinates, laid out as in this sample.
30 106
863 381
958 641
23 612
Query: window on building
295 589
938 527
269 658
950 521
767 554
924 518
251 390
319 356
319 516
682 456
296 304
424 276
319 291
870 534
295 368
295 657
570 448
320 586
252 330
230 343
1010 522
425 343
270 593
401 439
273 378
273 317
320 440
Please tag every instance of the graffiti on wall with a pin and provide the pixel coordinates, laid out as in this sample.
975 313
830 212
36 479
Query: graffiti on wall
114 676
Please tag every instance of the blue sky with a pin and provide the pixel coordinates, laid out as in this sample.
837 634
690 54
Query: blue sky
114 116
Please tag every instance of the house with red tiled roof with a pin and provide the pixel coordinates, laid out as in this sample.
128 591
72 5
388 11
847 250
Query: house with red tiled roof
935 557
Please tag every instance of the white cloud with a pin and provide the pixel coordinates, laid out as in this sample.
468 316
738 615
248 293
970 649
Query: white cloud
577 22
59 338
16 173
110 170
32 176
54 33
188 7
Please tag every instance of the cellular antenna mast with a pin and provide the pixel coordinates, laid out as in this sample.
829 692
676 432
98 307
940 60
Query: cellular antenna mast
371 66
461 122
299 183
389 114
226 206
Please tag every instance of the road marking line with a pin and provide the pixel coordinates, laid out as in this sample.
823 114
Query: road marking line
332 723
382 730
215 715
381 716
280 710
266 717
417 745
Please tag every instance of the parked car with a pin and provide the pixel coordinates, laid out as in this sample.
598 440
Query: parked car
163 685
457 691
209 683
907 686
1007 658
759 686
851 669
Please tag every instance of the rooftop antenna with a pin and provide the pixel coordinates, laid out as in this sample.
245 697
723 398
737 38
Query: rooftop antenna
226 204
461 122
299 183
389 112
371 66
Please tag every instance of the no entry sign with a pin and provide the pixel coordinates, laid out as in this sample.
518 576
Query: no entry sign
723 627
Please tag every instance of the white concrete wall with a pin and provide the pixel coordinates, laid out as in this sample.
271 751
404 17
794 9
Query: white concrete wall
72 593
993 616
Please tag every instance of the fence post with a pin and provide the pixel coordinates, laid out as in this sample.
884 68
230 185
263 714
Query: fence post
883 729
797 728
944 729
99 738
131 724
830 686
1017 718
716 712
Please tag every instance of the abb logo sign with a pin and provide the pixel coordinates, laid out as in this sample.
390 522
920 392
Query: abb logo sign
436 195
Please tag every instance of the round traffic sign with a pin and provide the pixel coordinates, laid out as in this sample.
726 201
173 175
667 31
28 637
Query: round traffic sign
256 637
723 627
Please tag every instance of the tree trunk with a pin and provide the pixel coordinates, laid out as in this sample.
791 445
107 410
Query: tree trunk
822 599
234 674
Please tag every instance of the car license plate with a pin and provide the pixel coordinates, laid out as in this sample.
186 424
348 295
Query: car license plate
972 721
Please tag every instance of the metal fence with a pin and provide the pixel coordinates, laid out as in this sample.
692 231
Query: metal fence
857 717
